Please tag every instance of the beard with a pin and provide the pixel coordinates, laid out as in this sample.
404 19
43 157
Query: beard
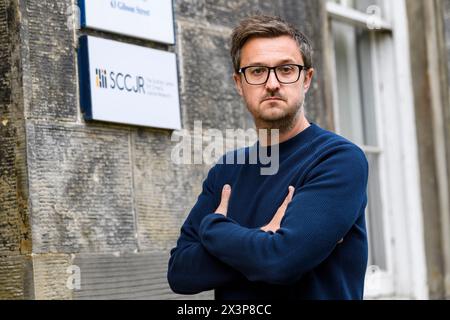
284 122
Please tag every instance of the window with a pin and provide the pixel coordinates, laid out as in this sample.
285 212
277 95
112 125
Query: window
355 29
368 61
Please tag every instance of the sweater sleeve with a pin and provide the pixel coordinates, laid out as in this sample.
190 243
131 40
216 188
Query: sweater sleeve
321 212
191 268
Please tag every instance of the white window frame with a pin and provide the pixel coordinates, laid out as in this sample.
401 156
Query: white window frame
405 275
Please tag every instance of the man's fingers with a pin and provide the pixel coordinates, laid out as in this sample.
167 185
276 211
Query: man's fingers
223 206
291 193
276 219
226 192
282 209
289 196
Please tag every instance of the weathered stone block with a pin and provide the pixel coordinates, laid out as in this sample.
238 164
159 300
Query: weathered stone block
129 276
15 277
80 189
223 13
51 60
192 9
5 58
14 232
218 12
51 276
9 220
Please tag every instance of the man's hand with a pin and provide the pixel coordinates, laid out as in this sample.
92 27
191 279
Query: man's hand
274 224
223 206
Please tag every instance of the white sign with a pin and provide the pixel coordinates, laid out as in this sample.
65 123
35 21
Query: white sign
129 84
147 19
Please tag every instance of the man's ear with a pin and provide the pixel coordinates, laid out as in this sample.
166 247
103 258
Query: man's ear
238 82
308 79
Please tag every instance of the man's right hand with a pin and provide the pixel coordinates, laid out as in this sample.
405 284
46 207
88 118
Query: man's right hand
274 224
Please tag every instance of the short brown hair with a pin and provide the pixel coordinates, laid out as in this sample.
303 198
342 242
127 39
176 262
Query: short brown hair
267 27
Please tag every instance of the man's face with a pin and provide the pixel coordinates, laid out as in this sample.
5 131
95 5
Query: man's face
273 104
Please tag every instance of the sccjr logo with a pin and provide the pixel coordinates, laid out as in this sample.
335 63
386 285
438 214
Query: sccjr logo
119 81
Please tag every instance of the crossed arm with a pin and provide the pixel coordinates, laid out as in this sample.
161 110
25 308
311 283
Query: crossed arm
192 269
214 250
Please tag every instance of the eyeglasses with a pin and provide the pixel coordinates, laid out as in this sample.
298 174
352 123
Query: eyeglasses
286 73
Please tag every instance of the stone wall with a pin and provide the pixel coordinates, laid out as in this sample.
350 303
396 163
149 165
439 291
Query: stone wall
106 197
15 233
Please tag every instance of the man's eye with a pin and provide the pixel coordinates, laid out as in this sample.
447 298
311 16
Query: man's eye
286 69
257 71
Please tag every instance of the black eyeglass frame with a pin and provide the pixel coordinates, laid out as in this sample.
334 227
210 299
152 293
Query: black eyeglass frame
299 66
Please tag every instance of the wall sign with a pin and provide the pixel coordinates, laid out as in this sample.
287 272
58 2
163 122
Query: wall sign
147 19
129 84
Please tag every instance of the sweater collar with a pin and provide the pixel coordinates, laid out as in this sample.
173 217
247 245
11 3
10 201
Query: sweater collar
300 139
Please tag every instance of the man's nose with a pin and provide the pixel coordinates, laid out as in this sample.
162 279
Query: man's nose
272 82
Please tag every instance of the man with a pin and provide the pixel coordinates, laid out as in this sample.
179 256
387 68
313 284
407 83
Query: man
245 237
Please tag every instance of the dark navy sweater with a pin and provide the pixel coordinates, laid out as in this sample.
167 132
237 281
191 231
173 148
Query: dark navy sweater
303 259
